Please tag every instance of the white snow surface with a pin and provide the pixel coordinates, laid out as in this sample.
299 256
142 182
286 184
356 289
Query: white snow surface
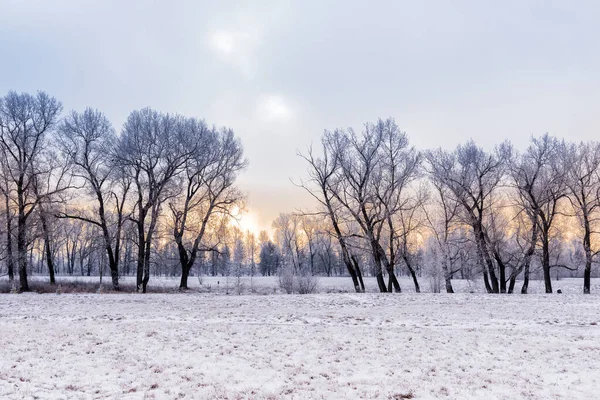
337 284
321 346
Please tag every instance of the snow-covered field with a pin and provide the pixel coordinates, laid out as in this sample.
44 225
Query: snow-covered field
270 284
324 346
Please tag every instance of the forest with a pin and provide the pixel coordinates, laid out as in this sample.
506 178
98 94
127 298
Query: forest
160 197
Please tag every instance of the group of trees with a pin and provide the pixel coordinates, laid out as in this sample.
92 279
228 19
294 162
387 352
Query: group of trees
159 198
498 214
71 184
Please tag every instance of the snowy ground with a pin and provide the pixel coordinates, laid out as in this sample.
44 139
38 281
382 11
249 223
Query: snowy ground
270 284
325 346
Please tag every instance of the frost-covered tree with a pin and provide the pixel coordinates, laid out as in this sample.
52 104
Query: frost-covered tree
471 175
88 141
27 127
153 148
540 178
582 161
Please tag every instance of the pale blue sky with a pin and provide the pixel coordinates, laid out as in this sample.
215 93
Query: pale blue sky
280 72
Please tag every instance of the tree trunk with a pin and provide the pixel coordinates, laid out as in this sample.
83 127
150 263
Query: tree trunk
185 273
512 282
393 282
358 274
141 255
148 247
525 279
47 248
381 282
502 270
184 262
546 263
22 252
415 280
380 258
10 261
486 261
587 273
412 273
486 282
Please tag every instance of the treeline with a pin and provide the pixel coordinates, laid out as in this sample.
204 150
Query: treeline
502 215
160 198
75 190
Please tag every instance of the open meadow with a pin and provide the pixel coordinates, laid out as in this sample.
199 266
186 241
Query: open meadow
319 346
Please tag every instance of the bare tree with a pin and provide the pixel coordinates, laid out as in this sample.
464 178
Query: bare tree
406 232
26 124
442 219
88 141
583 181
309 224
367 177
209 189
399 205
5 188
321 184
358 156
288 237
525 237
539 176
153 148
471 175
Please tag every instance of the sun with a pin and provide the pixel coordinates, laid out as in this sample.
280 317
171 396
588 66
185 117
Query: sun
246 220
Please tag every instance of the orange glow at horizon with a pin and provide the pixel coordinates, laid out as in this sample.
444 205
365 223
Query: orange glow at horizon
247 220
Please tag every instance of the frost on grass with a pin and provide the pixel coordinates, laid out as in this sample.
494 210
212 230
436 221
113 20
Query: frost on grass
364 346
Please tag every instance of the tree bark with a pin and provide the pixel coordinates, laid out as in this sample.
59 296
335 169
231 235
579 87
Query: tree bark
587 245
486 282
525 286
486 260
546 263
47 248
10 261
22 252
358 275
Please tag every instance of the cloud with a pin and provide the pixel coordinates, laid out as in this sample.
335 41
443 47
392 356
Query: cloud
223 42
237 43
273 108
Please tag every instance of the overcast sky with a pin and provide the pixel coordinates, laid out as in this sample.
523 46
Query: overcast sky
280 72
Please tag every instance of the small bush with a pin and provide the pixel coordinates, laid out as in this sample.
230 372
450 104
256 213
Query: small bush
286 282
307 284
301 284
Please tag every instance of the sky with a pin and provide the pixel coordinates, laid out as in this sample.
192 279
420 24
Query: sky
281 72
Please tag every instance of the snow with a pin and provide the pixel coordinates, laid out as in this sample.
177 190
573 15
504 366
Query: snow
321 346
339 284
